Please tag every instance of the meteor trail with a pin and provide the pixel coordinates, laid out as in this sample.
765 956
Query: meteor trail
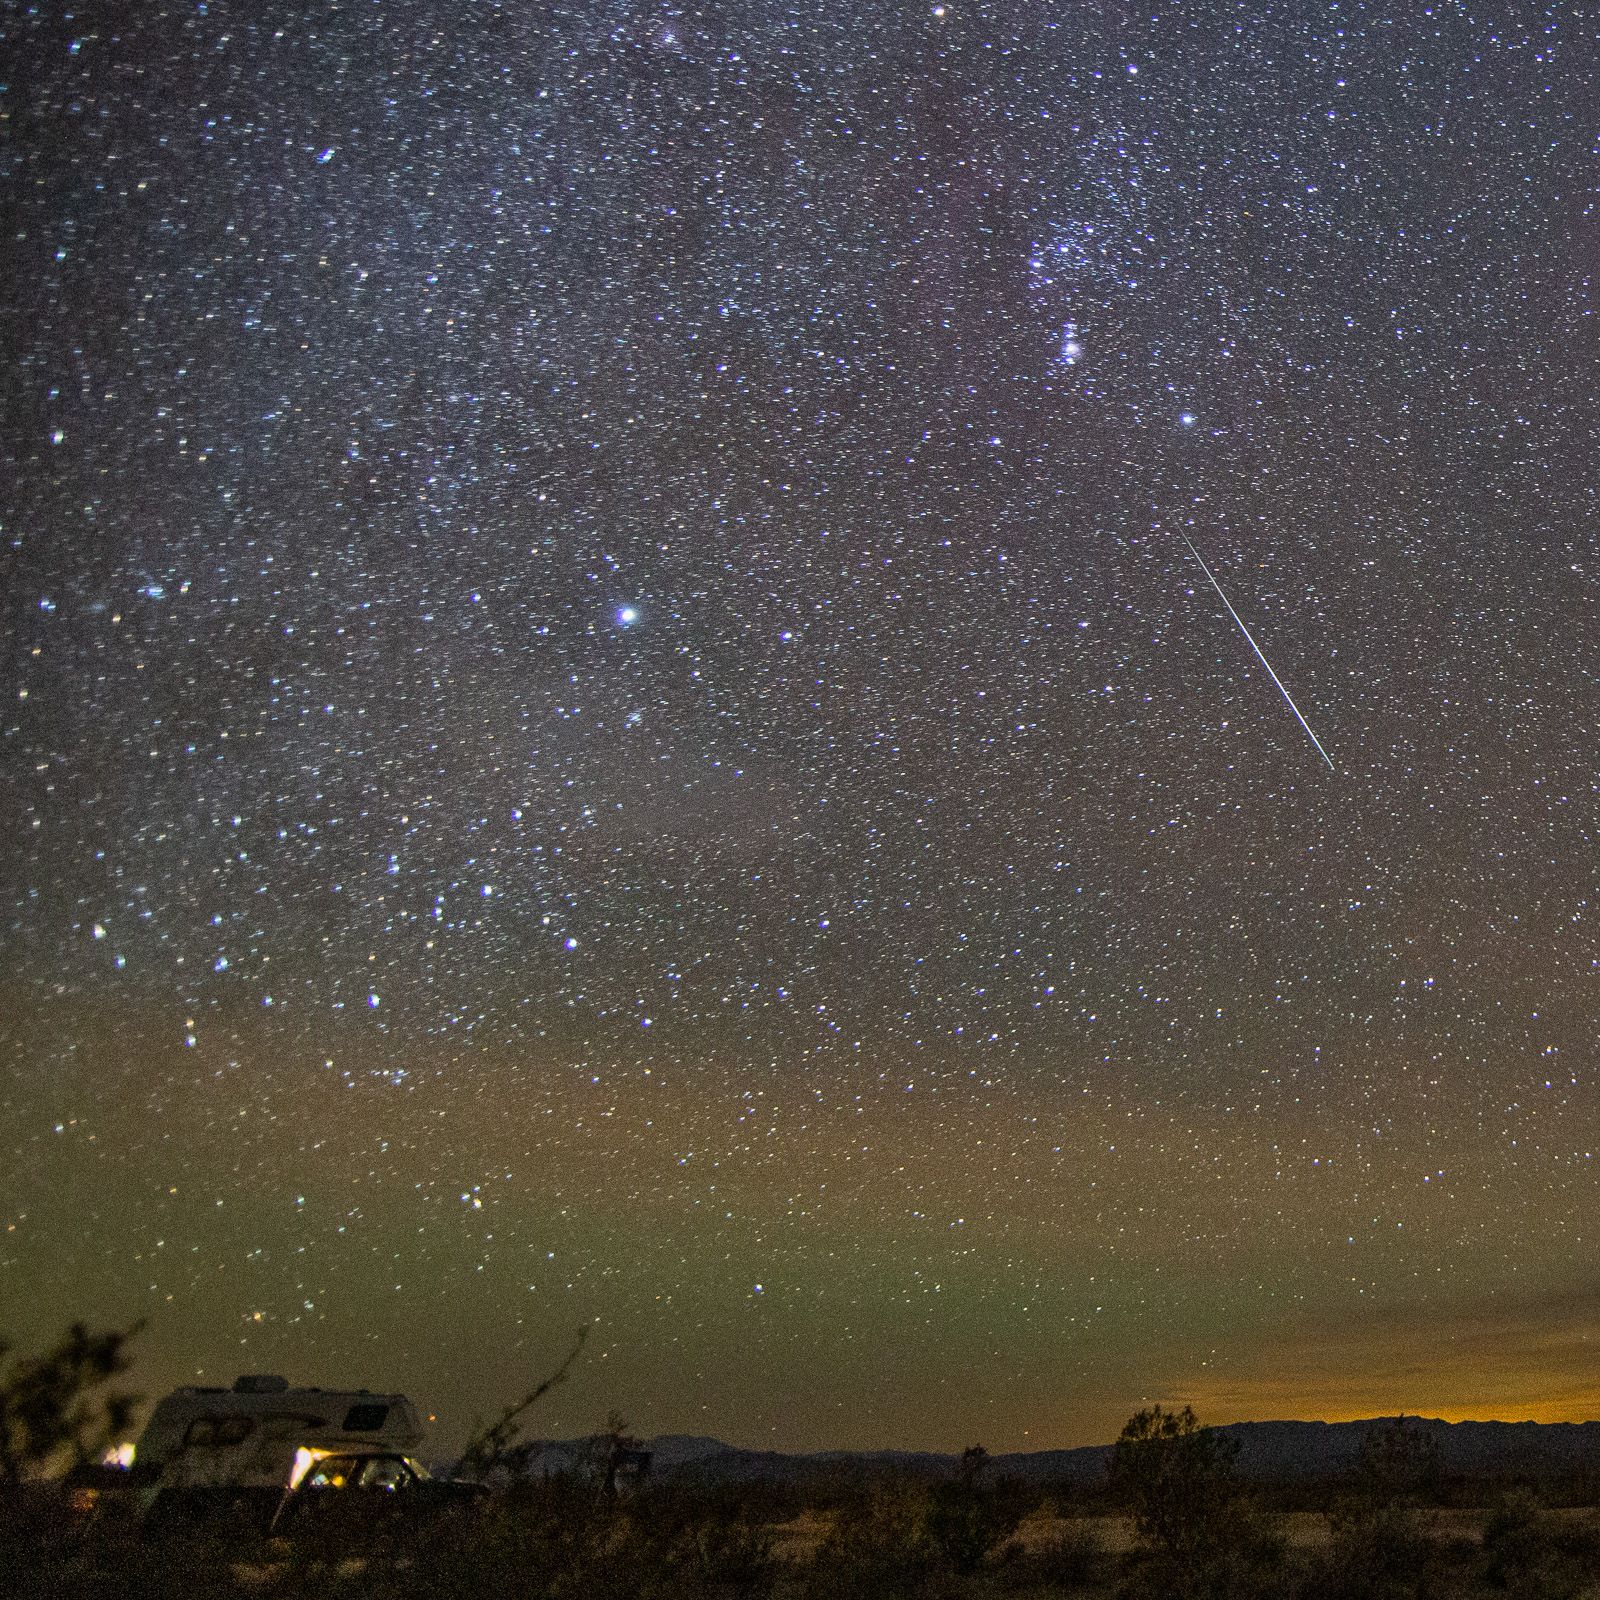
1287 697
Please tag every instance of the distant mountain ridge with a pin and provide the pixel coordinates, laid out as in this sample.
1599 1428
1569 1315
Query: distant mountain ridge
1276 1451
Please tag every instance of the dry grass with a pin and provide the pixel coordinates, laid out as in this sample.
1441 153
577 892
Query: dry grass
668 1546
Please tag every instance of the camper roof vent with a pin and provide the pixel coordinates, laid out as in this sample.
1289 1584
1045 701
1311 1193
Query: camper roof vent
259 1383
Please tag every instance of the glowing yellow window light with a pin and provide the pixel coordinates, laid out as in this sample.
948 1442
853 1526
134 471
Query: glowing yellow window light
305 1458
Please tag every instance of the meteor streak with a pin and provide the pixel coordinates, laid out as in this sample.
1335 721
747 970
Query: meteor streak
1288 699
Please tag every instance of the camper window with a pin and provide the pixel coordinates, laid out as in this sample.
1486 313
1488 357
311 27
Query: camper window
218 1432
365 1418
285 1424
386 1472
331 1473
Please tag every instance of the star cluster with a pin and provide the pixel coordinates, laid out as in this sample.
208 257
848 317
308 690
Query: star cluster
608 718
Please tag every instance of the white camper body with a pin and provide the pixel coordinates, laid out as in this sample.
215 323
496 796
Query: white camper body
261 1433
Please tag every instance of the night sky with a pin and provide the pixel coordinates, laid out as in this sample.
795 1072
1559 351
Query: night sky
607 716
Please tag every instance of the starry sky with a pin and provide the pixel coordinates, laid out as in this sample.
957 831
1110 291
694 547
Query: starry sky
609 717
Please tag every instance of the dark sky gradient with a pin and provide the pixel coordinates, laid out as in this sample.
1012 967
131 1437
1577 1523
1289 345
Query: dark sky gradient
606 716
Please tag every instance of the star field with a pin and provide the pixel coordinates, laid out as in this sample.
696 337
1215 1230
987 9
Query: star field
607 715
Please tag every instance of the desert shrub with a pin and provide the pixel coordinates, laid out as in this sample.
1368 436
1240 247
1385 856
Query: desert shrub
1382 1546
1245 1565
878 1548
732 1555
1176 1478
561 1540
530 1541
1529 1553
58 1412
117 1559
57 1409
965 1526
966 1520
1199 1532
753 1501
1398 1462
501 1443
699 1541
1377 1551
1580 1541
1073 1557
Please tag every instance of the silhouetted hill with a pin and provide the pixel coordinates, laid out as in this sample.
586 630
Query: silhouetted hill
1287 1450
1279 1452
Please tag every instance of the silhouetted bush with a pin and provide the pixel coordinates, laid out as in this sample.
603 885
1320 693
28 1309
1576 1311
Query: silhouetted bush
734 1555
1071 1559
56 1410
1398 1462
878 1546
1377 1551
1382 1546
967 1520
1530 1554
115 1558
1201 1537
560 1540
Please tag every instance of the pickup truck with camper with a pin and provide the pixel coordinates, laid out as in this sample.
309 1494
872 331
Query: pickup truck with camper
265 1457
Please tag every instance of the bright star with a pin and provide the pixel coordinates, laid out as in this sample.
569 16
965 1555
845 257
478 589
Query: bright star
627 616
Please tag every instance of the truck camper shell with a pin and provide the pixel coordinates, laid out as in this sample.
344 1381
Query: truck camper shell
260 1432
